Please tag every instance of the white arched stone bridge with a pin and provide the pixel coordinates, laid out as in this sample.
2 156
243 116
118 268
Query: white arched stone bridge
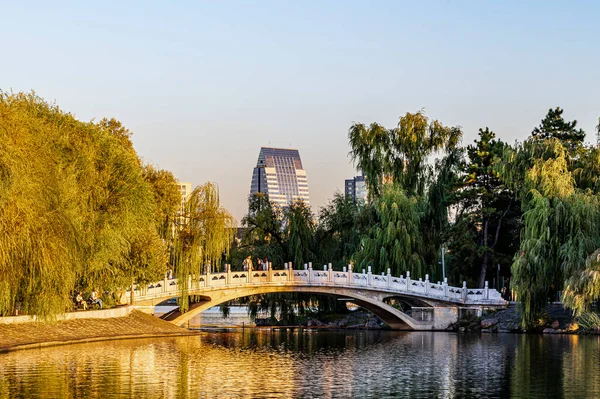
434 305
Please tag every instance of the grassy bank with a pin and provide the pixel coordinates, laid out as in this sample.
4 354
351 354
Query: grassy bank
41 334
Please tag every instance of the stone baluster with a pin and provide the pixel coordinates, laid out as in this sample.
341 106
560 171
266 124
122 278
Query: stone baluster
408 283
486 291
389 277
208 276
445 286
464 291
164 284
310 272
330 273
290 272
369 276
228 269
426 283
350 275
269 266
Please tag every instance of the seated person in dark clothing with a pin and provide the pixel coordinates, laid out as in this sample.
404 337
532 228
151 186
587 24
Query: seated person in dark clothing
95 300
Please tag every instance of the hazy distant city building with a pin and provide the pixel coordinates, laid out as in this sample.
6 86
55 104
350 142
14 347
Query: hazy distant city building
356 188
185 189
280 175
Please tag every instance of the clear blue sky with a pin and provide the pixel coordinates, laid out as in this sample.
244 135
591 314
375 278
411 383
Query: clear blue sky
204 84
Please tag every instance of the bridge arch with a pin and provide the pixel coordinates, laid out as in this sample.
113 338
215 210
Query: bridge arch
370 301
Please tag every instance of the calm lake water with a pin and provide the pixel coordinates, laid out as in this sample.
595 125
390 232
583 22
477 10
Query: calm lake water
302 363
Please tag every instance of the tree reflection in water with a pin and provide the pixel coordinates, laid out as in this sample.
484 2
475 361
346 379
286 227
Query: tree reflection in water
291 363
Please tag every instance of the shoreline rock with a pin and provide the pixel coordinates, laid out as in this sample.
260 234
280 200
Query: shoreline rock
556 320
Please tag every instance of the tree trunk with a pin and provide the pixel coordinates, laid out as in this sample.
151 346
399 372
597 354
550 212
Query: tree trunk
486 254
484 264
131 294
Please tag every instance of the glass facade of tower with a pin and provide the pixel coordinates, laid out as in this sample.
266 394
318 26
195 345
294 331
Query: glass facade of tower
280 175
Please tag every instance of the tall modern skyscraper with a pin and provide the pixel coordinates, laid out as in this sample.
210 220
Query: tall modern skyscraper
280 175
356 188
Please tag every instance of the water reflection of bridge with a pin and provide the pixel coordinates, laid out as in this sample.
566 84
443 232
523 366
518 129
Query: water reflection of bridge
433 306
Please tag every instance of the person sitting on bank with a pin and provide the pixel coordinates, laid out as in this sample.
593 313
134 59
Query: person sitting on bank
95 300
79 301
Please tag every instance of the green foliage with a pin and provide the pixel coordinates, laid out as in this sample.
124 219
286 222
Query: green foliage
394 239
485 210
264 236
75 210
370 147
300 233
589 321
561 230
533 204
553 126
583 286
443 192
400 155
203 237
166 197
338 232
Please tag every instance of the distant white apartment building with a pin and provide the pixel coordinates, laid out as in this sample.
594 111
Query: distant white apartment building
185 189
280 175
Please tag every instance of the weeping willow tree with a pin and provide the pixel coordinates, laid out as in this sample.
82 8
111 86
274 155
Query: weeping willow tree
403 157
401 154
341 223
264 233
370 146
204 236
583 287
73 207
561 228
300 233
394 240
166 197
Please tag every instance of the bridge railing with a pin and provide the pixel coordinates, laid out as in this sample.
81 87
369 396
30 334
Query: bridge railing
328 277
